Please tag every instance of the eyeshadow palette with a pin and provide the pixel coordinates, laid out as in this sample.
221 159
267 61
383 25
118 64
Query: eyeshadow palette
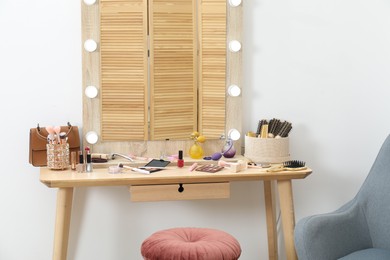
209 168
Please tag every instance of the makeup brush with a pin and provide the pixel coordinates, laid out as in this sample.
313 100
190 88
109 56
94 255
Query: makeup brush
133 169
57 130
50 136
50 129
139 158
193 167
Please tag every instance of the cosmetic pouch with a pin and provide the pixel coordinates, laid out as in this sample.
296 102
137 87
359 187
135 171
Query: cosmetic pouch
38 141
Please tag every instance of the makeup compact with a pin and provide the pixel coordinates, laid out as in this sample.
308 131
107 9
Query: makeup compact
209 168
155 165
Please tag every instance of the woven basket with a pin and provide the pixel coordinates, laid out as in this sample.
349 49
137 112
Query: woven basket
267 150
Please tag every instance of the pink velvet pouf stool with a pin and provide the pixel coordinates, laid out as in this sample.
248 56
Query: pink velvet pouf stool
190 244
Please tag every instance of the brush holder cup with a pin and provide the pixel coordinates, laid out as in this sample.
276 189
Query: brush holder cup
57 156
267 150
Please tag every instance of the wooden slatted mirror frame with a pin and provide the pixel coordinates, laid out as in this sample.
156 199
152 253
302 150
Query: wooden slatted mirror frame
100 24
123 70
173 72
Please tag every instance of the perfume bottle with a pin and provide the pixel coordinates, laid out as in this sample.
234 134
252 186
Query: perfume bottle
196 151
228 150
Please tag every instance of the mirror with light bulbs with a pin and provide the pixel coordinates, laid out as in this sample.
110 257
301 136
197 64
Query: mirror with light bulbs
92 83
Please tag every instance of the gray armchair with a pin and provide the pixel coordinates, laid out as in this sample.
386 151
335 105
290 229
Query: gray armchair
358 230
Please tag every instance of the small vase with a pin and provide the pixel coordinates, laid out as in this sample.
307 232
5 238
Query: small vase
196 151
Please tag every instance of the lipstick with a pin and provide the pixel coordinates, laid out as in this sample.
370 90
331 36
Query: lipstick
88 166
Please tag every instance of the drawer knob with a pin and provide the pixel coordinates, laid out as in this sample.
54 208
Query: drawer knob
181 188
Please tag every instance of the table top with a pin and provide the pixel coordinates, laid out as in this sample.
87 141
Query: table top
170 175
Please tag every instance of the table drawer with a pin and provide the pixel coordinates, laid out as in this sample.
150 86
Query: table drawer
193 191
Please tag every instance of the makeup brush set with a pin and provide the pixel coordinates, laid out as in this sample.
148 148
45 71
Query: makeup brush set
57 148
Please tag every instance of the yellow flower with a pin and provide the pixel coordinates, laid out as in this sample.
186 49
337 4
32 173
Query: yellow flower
201 139
194 135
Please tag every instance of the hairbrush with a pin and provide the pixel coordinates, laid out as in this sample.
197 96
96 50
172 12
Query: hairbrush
259 126
284 129
273 127
264 131
294 165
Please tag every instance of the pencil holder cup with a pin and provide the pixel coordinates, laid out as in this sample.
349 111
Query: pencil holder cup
267 150
57 156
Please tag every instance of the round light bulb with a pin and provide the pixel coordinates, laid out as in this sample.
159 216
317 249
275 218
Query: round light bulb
90 45
234 46
234 134
234 3
234 91
91 137
91 91
89 2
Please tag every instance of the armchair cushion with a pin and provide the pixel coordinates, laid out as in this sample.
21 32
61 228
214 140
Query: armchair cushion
371 253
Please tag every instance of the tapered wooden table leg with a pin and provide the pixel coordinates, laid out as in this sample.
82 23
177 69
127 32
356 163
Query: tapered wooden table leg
62 224
288 217
269 196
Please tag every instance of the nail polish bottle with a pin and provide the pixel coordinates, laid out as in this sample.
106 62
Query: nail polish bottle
80 167
180 161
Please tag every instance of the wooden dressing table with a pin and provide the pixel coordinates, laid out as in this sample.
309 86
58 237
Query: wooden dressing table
195 183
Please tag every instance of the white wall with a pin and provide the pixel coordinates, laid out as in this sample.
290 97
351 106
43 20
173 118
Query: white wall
323 65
